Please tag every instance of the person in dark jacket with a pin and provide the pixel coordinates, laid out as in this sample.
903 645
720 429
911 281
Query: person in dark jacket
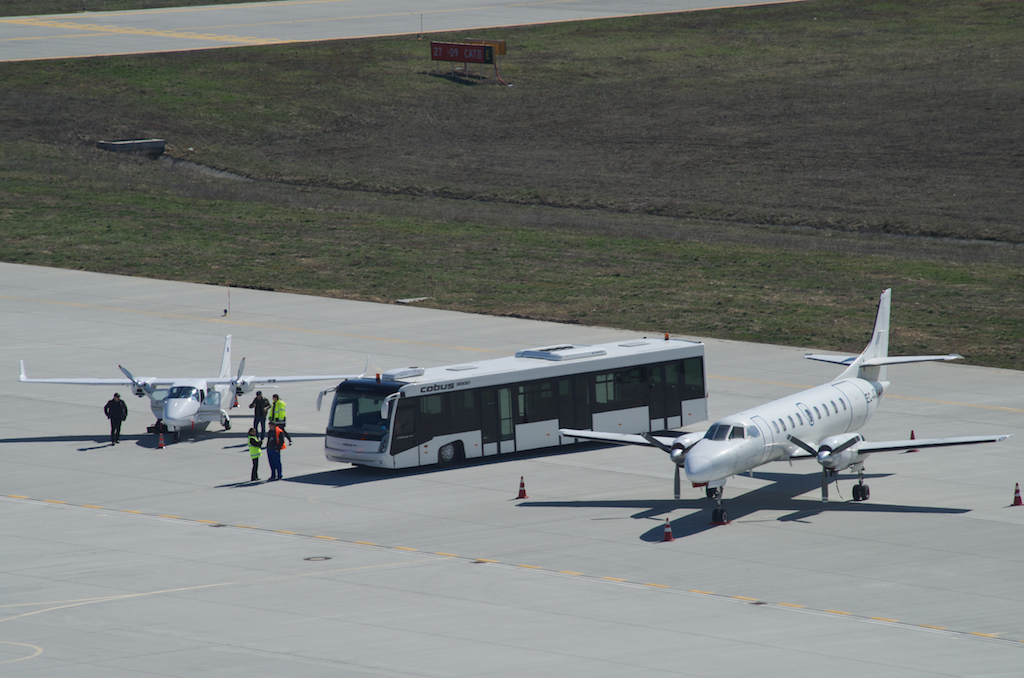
259 417
116 411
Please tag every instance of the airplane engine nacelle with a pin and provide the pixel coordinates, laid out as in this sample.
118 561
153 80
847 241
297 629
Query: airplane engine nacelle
243 387
839 452
680 446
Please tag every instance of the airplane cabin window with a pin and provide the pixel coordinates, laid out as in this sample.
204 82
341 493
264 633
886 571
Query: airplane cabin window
791 424
817 413
825 407
783 424
798 418
843 403
776 426
835 409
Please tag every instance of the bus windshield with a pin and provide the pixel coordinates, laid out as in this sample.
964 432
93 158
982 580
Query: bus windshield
356 411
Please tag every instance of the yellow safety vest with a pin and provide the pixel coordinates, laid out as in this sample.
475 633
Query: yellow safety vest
277 411
254 450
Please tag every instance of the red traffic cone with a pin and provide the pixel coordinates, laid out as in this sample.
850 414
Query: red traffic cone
912 438
1016 496
160 442
668 532
522 489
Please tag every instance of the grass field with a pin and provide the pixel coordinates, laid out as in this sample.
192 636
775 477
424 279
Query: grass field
756 174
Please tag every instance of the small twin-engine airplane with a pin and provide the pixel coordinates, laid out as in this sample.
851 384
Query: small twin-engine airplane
187 403
819 423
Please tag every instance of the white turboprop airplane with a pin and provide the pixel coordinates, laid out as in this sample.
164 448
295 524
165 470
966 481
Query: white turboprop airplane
187 403
819 423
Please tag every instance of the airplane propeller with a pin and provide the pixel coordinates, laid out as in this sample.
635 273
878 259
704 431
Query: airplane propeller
139 386
238 377
677 456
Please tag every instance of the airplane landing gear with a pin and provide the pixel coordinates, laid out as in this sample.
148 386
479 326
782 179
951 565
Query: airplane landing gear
861 492
719 516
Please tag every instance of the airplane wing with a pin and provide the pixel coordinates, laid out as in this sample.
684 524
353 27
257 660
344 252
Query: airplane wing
924 443
93 382
617 438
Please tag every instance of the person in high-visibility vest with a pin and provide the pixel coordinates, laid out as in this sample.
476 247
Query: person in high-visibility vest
254 452
277 412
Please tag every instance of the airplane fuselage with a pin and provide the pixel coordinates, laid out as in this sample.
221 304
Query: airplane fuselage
191 404
744 441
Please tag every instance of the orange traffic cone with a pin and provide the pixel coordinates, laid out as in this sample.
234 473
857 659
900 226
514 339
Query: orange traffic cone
160 442
668 532
1016 496
912 438
522 489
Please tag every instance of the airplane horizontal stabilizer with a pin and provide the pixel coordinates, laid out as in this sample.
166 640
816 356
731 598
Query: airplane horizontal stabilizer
618 438
884 360
895 360
837 359
923 443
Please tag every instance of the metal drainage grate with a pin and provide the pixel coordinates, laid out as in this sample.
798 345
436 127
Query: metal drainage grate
314 558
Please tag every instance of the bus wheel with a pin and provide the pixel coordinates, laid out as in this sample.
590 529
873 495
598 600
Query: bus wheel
446 455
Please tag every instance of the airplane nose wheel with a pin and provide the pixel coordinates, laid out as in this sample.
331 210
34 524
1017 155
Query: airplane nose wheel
719 516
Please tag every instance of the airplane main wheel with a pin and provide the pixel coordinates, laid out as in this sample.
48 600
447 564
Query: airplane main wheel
856 493
227 424
719 516
865 492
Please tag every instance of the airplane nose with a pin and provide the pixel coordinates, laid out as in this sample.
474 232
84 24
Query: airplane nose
700 467
178 411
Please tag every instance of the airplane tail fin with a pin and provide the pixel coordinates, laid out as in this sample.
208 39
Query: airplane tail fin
225 362
870 364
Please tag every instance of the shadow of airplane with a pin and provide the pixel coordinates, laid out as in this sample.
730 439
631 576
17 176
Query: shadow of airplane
780 496
356 475
144 440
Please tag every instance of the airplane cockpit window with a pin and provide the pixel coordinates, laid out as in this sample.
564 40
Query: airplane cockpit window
717 432
159 395
190 392
737 432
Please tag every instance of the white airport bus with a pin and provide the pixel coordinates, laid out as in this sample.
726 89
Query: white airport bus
438 415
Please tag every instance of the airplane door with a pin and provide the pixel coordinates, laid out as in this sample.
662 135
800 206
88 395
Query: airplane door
767 435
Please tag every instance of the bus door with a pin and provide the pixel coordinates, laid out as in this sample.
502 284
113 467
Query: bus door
665 410
496 427
574 403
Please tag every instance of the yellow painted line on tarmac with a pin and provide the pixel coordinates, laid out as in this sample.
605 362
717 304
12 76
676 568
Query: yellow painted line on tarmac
127 30
700 592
